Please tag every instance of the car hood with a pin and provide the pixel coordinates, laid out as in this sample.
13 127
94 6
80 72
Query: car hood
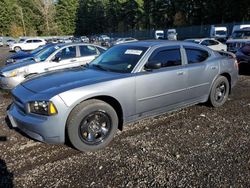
64 80
14 66
19 54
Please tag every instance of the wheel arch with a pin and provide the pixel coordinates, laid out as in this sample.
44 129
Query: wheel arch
109 100
228 76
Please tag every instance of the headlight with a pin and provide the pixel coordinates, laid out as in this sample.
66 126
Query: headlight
10 61
46 108
14 73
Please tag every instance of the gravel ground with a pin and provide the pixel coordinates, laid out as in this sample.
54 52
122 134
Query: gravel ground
197 146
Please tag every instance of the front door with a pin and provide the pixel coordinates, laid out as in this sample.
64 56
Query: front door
161 87
67 59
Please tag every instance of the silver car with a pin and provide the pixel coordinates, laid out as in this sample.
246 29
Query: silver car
126 83
58 56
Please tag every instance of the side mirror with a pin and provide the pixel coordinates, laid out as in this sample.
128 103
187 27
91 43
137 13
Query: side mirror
57 59
153 65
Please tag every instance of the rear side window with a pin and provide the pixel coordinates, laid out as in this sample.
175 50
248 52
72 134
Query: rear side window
29 41
87 50
196 55
167 58
36 41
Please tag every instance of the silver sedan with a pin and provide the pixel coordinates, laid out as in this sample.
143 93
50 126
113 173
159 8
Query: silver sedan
126 83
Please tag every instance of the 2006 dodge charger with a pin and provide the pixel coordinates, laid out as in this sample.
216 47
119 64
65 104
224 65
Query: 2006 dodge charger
128 82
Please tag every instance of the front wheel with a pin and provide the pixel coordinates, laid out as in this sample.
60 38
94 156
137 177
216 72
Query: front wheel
92 125
219 92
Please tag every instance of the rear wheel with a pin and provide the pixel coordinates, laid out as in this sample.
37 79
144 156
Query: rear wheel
92 125
17 49
219 92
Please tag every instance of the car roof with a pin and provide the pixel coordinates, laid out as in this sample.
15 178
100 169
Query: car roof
152 43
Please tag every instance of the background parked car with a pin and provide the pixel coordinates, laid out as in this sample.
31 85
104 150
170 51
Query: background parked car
1 43
58 56
123 40
85 39
243 54
238 39
27 44
10 42
24 55
211 43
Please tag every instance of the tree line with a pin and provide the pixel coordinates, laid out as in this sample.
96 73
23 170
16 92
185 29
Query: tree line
85 17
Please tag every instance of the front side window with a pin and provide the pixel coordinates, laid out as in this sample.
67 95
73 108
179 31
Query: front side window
196 55
213 42
67 53
87 50
167 58
29 41
120 59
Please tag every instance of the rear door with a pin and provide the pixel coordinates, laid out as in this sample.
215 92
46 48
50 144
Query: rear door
87 54
162 87
202 69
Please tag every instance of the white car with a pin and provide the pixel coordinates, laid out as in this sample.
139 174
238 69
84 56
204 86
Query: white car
55 57
27 44
1 43
124 40
210 43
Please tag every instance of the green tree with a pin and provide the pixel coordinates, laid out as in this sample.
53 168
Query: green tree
66 15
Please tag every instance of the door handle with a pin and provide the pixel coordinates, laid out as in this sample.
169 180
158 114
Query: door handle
73 60
180 73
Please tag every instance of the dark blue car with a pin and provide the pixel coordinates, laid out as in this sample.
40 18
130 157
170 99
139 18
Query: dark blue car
22 55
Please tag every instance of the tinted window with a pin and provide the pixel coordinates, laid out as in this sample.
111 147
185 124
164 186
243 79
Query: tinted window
167 58
205 43
87 50
67 53
29 41
36 41
213 42
196 55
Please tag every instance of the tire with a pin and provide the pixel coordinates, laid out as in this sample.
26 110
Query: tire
219 92
17 49
92 125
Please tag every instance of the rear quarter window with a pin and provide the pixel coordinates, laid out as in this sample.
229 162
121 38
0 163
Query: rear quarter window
196 55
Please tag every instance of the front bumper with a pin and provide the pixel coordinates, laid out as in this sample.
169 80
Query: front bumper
49 129
10 83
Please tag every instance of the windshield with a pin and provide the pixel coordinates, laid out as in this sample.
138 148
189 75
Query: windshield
160 34
241 34
38 49
120 59
44 54
21 40
220 32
